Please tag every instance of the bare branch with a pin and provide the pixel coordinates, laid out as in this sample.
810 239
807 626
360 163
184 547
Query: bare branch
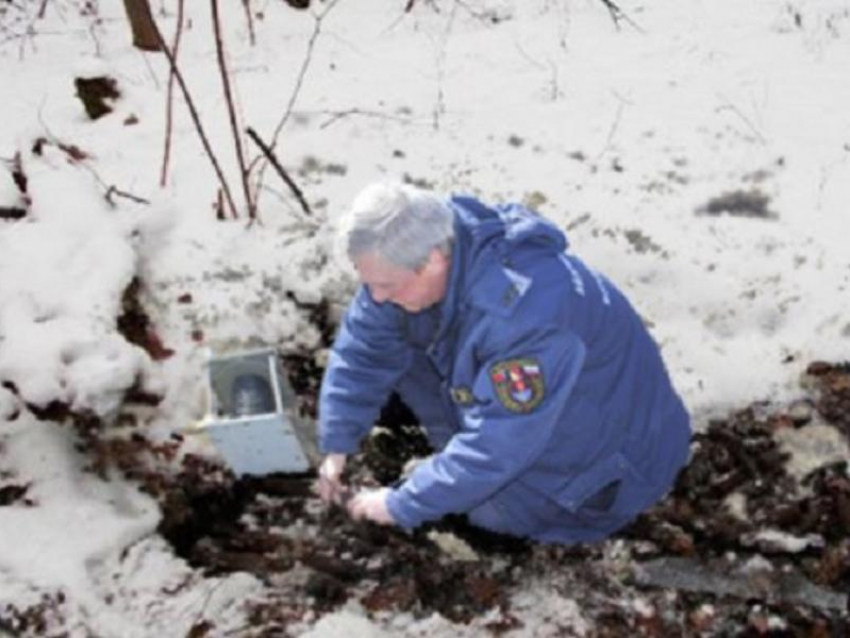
193 112
143 25
169 99
231 111
267 151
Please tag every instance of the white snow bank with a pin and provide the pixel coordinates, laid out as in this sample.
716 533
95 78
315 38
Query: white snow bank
136 581
64 269
77 519
69 523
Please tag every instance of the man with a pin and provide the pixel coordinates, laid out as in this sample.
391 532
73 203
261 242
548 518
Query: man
545 398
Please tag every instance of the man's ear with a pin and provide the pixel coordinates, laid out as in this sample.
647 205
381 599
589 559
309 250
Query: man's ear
437 260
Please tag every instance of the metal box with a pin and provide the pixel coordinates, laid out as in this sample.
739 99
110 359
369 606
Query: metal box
252 418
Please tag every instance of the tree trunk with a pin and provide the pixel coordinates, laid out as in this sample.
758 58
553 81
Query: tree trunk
145 34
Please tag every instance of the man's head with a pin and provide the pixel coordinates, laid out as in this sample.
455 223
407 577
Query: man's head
399 239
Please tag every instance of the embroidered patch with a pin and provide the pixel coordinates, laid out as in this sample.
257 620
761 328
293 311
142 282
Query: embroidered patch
518 383
461 395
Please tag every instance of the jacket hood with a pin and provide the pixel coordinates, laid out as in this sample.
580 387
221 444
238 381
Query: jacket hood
480 229
485 237
509 225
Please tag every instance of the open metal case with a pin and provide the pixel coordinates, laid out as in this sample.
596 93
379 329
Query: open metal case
252 417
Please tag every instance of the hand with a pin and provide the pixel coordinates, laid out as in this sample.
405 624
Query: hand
372 506
330 478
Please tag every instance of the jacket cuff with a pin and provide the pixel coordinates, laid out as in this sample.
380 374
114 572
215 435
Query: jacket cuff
338 443
401 510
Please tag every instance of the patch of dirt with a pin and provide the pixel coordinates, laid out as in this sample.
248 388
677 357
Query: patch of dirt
739 547
12 213
14 493
97 94
19 178
39 619
739 203
642 243
135 324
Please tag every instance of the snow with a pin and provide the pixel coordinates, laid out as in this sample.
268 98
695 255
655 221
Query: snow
815 446
345 624
619 135
454 548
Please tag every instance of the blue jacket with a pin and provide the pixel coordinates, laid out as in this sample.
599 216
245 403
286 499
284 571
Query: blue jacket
544 384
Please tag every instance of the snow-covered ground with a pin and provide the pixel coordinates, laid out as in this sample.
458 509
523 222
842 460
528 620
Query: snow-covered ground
628 137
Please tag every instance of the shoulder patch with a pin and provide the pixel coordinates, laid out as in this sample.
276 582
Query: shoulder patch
518 384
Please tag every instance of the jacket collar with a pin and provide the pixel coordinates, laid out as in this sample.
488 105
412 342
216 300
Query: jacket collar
448 307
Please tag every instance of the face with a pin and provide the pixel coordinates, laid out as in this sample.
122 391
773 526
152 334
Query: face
412 290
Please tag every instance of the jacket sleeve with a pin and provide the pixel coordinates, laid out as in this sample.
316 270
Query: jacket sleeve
496 441
369 356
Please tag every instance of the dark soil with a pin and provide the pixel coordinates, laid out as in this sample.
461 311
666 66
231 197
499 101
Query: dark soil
97 94
221 524
135 325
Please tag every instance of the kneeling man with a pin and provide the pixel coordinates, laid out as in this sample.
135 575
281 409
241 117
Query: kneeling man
546 400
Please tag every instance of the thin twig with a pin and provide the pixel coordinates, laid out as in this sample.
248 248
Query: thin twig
246 4
550 67
488 16
193 112
29 35
112 190
202 611
78 157
299 82
219 206
617 14
231 110
335 116
149 68
408 8
42 9
302 73
439 105
613 130
267 151
731 107
93 34
169 99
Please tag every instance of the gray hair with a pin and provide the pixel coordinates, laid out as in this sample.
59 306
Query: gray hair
399 223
